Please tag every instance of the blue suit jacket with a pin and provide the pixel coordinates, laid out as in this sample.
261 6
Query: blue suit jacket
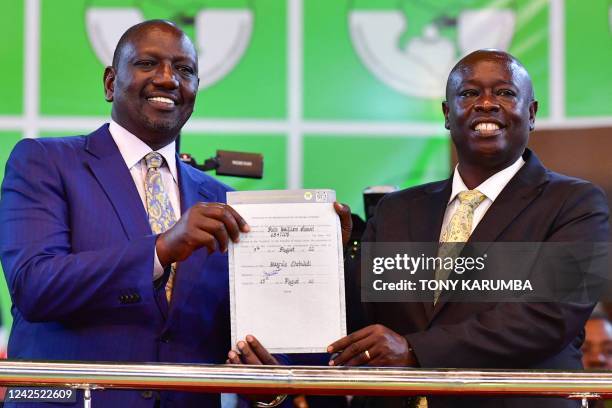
78 253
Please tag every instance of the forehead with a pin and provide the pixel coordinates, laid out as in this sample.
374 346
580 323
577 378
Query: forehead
160 40
599 328
490 71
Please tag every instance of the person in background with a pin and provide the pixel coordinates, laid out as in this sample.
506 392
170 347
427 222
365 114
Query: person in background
597 349
597 346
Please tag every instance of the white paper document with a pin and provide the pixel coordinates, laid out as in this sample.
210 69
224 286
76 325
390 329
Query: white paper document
287 273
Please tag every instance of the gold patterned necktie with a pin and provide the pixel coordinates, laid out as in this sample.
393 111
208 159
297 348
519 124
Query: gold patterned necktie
159 208
458 230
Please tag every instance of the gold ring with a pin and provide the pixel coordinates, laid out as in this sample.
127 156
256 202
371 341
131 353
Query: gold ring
367 354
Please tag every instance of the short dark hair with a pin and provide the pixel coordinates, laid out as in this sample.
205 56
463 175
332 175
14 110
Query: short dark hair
132 32
491 54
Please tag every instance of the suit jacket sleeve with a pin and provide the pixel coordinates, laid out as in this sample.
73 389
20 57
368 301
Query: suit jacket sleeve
47 280
520 334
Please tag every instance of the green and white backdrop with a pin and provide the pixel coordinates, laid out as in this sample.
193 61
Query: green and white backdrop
339 94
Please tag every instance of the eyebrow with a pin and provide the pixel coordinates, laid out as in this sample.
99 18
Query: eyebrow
473 82
152 54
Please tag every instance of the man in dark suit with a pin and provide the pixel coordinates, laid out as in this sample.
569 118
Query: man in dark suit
113 249
499 192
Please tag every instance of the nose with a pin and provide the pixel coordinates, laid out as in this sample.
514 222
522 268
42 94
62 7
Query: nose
486 103
165 77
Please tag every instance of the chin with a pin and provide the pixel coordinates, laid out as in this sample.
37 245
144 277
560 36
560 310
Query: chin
163 125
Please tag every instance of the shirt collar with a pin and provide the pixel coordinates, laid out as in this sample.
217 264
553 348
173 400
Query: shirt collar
133 149
492 186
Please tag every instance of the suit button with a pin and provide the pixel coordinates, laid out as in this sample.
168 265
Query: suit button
165 338
146 394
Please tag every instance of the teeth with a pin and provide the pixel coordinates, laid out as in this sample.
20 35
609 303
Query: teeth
162 100
485 126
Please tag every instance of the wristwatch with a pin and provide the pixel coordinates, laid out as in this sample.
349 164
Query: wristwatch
274 403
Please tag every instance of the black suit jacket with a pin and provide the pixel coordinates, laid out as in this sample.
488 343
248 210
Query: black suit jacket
537 205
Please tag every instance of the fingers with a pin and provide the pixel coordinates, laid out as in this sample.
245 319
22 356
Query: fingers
247 355
346 223
242 224
250 352
343 211
233 358
351 346
260 351
213 234
222 221
355 353
375 345
344 342
205 225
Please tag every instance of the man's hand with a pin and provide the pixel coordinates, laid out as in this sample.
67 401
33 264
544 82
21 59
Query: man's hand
209 225
250 352
346 224
375 345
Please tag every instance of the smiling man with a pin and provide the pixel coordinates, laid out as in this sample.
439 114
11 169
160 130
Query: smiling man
113 249
499 191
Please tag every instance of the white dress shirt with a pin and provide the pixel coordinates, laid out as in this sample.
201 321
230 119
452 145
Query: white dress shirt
491 188
133 150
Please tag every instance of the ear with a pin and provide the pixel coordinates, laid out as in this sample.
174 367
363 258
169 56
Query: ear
109 83
533 110
445 112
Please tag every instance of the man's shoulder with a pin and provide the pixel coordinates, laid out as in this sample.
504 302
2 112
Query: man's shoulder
553 183
569 185
50 146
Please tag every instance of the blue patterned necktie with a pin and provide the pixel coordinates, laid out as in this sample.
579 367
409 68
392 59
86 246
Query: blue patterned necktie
159 207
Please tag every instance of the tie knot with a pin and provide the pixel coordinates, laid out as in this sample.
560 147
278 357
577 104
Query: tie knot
154 160
471 198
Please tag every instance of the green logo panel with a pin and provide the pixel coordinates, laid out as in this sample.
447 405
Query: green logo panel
589 57
273 148
389 59
350 164
12 52
241 45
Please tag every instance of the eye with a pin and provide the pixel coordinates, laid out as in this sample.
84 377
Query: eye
506 92
145 63
186 69
468 93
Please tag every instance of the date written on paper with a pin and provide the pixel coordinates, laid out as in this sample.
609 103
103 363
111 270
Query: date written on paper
285 254
34 394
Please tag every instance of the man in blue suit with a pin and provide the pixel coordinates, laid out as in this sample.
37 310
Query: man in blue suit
96 267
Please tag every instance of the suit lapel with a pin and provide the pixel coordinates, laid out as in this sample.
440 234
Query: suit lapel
427 212
109 168
522 189
426 216
192 191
